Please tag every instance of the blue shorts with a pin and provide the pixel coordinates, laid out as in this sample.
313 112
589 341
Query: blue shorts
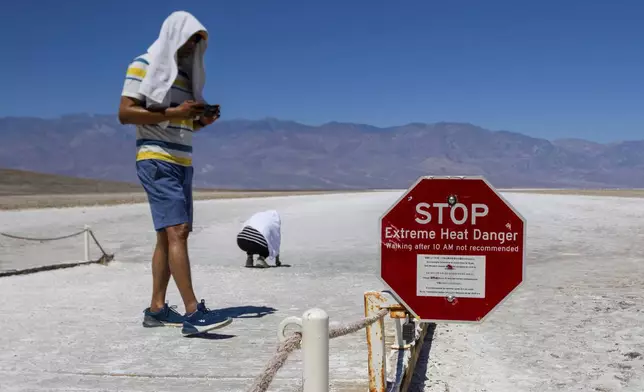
169 190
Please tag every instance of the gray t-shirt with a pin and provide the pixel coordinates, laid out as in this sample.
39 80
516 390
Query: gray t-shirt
174 142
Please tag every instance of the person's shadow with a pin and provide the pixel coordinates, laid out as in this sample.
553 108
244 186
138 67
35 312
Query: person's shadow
248 311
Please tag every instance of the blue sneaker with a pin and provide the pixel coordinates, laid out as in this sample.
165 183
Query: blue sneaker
166 317
203 320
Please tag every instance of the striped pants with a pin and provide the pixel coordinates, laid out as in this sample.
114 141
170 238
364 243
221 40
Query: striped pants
252 242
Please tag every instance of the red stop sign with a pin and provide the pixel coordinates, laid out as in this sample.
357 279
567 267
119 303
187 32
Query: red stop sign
452 249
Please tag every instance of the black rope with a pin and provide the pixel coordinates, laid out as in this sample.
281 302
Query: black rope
103 260
16 237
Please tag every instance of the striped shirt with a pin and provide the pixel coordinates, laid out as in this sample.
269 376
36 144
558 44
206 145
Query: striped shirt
174 143
252 235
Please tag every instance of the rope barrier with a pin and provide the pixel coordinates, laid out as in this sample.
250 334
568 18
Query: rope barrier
284 349
42 239
91 233
357 325
263 381
103 260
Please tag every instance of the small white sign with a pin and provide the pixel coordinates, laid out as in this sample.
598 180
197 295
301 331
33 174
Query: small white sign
443 276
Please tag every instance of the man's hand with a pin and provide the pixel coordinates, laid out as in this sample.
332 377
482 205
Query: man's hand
187 110
204 121
209 120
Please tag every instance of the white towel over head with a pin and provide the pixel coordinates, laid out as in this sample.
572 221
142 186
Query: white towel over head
162 70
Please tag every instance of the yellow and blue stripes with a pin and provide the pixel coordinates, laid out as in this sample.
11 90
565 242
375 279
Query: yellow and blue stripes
172 143
138 69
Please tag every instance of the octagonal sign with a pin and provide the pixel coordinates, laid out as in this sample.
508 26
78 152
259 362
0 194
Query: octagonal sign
452 249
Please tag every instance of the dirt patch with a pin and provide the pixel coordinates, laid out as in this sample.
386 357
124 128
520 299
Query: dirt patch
105 199
21 182
20 189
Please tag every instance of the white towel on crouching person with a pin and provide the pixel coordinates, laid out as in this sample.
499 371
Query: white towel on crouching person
269 224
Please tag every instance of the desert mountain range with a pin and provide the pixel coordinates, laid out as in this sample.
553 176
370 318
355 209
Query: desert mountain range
278 154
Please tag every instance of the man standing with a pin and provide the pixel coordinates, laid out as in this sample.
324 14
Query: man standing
261 235
162 96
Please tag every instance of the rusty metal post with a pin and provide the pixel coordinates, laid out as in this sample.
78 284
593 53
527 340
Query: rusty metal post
373 300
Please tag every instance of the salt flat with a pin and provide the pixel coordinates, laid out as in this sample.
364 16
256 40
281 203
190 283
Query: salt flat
79 329
576 325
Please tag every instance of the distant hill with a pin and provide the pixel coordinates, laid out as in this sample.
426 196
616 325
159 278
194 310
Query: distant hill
20 182
276 154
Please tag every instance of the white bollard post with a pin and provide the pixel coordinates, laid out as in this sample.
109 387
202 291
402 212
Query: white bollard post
315 344
86 236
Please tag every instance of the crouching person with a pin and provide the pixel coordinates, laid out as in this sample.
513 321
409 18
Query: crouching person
261 235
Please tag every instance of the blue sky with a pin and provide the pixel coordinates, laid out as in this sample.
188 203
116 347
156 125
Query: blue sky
544 68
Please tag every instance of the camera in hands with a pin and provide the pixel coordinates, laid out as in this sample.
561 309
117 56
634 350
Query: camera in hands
211 111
